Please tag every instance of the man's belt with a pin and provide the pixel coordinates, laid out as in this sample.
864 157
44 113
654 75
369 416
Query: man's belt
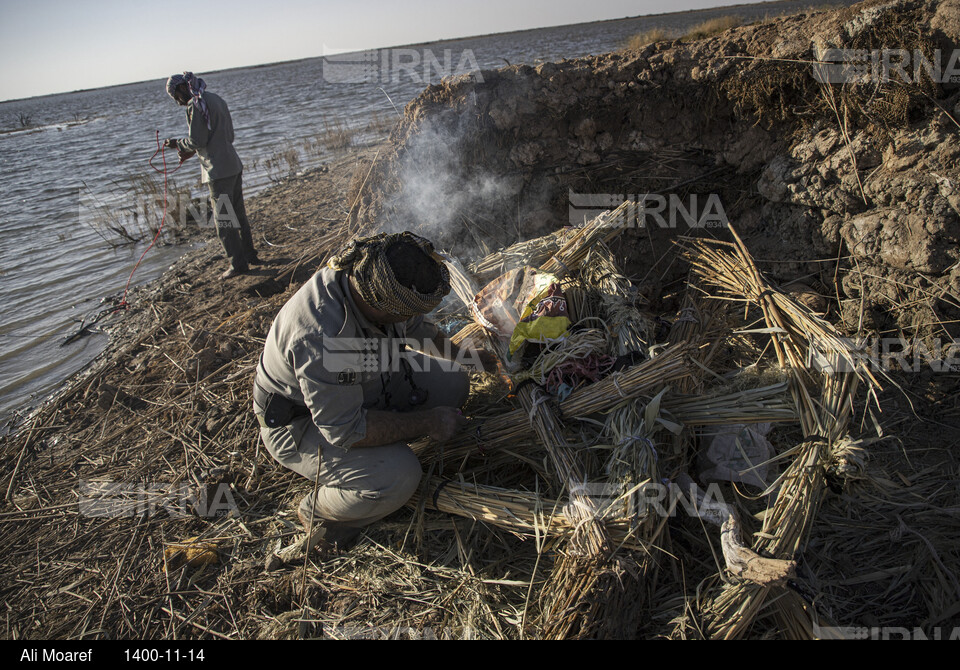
277 410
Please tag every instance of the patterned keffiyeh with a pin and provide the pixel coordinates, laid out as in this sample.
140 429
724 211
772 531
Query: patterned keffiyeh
197 86
366 260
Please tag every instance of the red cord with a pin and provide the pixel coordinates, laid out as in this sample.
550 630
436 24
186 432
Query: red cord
123 301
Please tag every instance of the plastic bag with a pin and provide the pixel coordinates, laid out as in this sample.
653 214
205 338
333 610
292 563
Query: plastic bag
523 305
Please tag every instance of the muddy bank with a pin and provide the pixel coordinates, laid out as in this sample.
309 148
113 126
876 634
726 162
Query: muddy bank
168 401
861 174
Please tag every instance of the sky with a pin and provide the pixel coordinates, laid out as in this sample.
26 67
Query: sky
53 46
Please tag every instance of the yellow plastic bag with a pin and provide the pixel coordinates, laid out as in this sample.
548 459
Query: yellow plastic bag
545 317
522 305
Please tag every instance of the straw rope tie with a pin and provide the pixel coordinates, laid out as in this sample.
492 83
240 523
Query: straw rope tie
616 384
561 264
436 492
539 397
645 440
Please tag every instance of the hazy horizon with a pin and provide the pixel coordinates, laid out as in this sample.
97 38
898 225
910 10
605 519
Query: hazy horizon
304 29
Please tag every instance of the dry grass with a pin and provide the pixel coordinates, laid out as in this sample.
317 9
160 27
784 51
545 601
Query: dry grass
282 164
711 27
641 40
382 123
132 211
336 137
784 91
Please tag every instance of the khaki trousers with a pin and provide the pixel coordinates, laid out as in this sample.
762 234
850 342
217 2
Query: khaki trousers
359 486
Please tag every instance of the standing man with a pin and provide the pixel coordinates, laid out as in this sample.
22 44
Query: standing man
211 138
339 391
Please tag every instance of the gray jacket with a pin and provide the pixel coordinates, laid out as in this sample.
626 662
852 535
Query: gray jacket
214 147
315 355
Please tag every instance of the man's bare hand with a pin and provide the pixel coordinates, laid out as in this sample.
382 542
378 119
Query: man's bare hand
447 422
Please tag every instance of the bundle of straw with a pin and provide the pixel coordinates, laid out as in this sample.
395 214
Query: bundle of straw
797 335
629 329
463 285
531 252
523 512
602 396
578 344
577 246
702 322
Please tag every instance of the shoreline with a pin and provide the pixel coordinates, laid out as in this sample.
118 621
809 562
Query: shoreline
202 264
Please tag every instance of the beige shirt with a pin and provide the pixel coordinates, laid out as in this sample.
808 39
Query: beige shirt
214 146
323 353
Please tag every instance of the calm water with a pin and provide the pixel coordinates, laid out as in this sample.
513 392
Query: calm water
78 159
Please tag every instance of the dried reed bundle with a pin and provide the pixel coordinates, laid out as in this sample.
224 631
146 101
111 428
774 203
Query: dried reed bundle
523 512
766 404
531 252
700 321
629 329
578 344
461 282
670 365
590 539
787 523
470 334
602 396
798 335
577 246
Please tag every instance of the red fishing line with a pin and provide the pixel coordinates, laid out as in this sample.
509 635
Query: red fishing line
163 218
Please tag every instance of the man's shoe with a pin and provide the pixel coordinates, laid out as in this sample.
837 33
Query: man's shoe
232 272
326 541
328 536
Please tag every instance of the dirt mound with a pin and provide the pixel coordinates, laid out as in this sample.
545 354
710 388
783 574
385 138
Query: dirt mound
854 185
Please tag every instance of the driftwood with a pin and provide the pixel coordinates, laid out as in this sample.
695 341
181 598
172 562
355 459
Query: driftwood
741 561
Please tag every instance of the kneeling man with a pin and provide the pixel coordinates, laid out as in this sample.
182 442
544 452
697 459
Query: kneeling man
341 388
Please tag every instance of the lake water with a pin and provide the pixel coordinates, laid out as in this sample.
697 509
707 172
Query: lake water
80 160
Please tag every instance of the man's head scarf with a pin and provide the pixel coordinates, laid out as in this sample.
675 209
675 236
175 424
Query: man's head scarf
197 86
366 261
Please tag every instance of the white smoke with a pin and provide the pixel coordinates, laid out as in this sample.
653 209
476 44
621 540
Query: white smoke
450 197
